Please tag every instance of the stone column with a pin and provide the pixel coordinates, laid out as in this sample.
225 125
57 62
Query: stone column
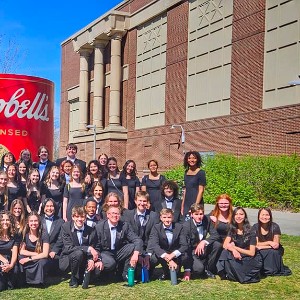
83 88
115 81
98 84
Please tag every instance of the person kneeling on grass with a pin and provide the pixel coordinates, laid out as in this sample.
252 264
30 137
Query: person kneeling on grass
167 243
79 252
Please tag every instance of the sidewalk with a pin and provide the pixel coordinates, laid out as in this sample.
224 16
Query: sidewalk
289 222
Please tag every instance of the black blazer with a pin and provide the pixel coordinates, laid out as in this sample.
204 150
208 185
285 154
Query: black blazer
151 218
176 207
49 165
71 243
190 231
81 163
56 243
158 241
124 236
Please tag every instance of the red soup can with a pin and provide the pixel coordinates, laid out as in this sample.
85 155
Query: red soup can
26 114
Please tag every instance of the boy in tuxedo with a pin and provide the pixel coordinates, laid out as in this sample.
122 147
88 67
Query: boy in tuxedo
90 208
204 248
79 252
117 243
169 192
52 224
142 221
167 243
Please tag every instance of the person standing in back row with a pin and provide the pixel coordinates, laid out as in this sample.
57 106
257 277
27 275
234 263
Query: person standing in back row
194 182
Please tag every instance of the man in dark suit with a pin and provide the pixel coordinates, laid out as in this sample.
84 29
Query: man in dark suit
167 243
169 192
44 165
204 248
52 224
90 207
117 243
79 252
71 151
142 221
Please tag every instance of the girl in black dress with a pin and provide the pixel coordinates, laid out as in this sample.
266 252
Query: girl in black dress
22 173
239 260
194 182
221 215
7 159
116 184
74 193
152 184
96 193
17 210
26 157
33 191
3 189
53 187
8 251
34 250
93 174
129 174
15 189
65 171
268 243
103 159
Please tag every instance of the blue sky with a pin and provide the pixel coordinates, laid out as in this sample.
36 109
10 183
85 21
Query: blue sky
39 27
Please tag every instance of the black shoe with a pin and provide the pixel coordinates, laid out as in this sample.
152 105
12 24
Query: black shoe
73 282
209 274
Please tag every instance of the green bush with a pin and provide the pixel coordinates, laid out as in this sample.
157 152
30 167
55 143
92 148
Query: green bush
251 181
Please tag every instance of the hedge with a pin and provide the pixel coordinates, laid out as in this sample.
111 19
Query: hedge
251 181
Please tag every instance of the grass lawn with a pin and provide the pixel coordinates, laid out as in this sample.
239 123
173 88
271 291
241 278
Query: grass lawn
267 288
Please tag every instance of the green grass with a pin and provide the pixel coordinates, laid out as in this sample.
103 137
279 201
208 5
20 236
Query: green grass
267 288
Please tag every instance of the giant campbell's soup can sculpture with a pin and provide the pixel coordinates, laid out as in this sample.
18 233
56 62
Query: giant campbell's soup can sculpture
26 114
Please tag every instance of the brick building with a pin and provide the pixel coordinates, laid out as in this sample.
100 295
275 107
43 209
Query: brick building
219 68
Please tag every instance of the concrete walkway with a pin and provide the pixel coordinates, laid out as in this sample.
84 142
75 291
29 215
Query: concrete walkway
289 222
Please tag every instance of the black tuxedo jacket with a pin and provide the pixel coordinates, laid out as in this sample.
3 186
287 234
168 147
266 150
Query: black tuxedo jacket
158 241
176 207
151 218
209 232
56 243
81 163
49 165
124 236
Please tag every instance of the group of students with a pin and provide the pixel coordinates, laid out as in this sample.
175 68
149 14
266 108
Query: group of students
107 221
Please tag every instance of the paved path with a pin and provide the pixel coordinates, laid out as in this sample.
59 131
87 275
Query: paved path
289 222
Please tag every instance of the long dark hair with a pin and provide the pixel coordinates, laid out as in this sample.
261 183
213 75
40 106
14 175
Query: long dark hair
133 172
11 230
260 224
99 172
234 226
39 243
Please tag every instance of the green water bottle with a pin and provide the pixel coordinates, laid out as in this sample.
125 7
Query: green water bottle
130 276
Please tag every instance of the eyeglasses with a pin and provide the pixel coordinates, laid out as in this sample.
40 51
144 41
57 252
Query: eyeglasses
223 204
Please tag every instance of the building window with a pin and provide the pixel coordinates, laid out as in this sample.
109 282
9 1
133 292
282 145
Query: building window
74 118
282 53
209 58
151 73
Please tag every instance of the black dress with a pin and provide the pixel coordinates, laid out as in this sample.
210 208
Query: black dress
7 280
272 258
34 201
2 199
35 269
115 185
153 188
56 194
132 183
75 197
246 270
15 193
191 183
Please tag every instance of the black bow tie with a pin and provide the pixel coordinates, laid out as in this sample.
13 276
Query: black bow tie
169 201
141 216
49 218
91 218
169 229
199 224
113 228
79 230
43 163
